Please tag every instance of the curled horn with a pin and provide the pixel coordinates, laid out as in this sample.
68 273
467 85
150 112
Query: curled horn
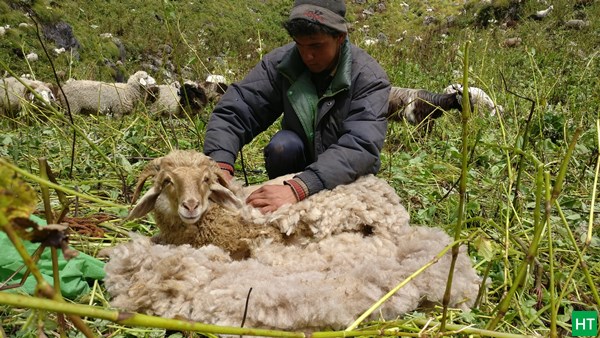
150 170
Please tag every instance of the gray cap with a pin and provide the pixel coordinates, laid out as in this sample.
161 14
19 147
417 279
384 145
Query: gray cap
328 13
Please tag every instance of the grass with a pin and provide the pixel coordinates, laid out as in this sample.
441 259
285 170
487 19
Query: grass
514 161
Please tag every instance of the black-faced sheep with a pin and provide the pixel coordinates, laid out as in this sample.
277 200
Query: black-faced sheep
419 106
173 99
352 245
214 86
95 97
14 93
479 98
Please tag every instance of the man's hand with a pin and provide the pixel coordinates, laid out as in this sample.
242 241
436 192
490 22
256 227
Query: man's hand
227 175
269 198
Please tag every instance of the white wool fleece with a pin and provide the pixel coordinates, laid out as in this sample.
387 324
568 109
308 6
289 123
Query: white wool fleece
321 282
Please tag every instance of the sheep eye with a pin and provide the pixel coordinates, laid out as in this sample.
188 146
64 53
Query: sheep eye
206 180
167 181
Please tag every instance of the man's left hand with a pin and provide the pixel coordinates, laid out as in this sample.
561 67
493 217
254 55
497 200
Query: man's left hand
269 198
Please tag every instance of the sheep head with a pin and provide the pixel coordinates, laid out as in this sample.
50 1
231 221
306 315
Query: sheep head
40 89
185 184
142 78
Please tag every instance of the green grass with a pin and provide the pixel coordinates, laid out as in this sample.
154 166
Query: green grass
555 67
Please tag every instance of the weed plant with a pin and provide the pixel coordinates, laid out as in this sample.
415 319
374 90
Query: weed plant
530 200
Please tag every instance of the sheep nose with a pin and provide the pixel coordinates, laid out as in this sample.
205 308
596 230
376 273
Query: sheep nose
190 205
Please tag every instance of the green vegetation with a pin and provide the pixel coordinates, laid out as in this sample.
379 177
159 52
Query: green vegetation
529 197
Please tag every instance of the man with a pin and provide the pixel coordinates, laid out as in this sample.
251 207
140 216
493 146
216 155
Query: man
333 97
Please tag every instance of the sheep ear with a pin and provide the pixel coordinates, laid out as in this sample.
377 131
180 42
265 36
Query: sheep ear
150 170
145 205
222 195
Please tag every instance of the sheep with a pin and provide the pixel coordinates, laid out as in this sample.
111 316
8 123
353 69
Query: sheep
512 42
172 99
14 92
189 197
192 201
540 15
419 106
214 86
479 98
118 99
577 24
346 255
32 57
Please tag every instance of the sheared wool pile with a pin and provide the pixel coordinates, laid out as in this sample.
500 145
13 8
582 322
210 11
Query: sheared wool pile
324 282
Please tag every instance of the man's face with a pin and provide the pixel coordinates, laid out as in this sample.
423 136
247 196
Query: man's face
319 51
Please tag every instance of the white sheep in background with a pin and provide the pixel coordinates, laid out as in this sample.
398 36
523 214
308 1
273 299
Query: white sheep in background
540 15
118 99
351 246
479 98
172 99
576 24
32 57
14 93
419 106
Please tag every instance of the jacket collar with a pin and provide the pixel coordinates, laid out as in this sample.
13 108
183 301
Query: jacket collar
292 67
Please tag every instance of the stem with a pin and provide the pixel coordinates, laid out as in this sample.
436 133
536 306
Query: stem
532 252
551 287
466 114
58 187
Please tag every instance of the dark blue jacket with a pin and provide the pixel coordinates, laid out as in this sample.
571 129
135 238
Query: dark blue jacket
347 132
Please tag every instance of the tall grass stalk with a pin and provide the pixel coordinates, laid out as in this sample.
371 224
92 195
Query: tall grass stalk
539 226
465 117
588 237
504 304
580 260
551 287
55 186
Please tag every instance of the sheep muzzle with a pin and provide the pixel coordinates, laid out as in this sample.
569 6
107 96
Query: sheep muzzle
191 210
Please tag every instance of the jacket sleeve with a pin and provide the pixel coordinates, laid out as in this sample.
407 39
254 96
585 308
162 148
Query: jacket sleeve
245 110
357 151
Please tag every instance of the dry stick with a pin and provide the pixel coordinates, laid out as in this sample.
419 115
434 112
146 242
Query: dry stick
35 257
37 32
538 228
465 116
71 121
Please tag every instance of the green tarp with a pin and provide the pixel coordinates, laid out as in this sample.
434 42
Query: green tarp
75 274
